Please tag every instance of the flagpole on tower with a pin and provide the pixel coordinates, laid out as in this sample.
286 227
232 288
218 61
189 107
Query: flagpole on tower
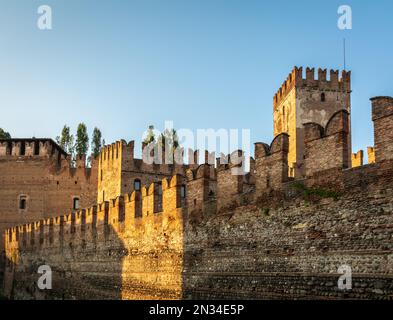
345 67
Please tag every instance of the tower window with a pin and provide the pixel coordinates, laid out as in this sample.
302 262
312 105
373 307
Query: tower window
75 204
137 185
323 98
22 202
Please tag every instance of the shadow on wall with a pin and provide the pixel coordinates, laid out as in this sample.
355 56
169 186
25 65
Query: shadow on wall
128 248
88 266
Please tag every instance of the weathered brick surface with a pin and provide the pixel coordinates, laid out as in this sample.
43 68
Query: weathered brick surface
294 250
264 236
102 253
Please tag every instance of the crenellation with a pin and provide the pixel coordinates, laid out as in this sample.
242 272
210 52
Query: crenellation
357 159
370 155
327 148
271 165
382 116
185 228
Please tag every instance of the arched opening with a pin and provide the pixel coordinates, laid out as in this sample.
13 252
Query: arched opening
323 97
22 202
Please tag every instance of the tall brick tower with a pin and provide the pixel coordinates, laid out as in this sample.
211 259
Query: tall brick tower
301 100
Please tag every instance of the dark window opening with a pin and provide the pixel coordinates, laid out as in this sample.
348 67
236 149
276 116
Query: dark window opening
36 148
75 204
22 203
22 148
137 185
323 98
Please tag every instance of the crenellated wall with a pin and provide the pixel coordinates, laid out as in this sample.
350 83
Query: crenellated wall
40 172
214 234
103 252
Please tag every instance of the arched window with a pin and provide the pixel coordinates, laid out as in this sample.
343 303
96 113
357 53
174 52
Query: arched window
323 98
137 185
22 202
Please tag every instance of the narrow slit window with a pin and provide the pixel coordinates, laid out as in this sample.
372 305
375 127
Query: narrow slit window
22 203
75 204
137 185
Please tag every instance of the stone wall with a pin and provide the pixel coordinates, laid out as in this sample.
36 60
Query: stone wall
104 252
46 180
203 236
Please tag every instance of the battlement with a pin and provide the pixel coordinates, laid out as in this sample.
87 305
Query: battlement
327 148
357 159
31 148
296 79
116 150
117 214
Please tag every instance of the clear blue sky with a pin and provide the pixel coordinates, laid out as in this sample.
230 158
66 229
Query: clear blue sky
122 65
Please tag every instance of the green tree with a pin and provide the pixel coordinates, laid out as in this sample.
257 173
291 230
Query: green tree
82 140
66 141
4 134
169 139
150 137
96 142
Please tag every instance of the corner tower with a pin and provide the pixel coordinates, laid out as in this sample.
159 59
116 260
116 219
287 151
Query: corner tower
308 99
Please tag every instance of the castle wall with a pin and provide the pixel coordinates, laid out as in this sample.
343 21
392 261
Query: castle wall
103 252
292 248
287 246
45 179
212 235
